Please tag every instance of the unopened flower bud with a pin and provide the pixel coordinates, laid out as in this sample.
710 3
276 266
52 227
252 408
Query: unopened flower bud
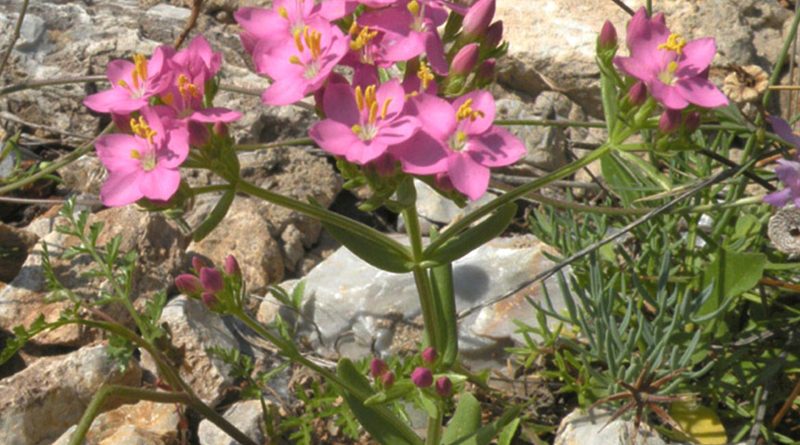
220 129
669 121
211 279
198 263
637 94
608 36
494 35
486 71
377 367
478 18
444 386
422 377
465 60
232 266
209 300
429 355
188 284
387 379
692 121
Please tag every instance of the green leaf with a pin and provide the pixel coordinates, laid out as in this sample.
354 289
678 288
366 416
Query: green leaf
731 273
397 260
216 215
445 304
473 237
465 422
507 434
397 390
381 423
608 92
701 423
628 179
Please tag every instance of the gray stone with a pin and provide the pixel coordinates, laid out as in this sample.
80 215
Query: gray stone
193 330
434 208
31 32
245 416
358 307
143 423
580 428
39 403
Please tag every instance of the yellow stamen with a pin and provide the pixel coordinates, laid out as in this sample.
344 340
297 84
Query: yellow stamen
672 67
353 31
460 137
425 75
674 43
168 99
123 84
413 7
359 98
362 39
373 112
385 108
465 111
141 129
313 39
139 74
297 40
295 60
135 154
283 13
187 88
356 129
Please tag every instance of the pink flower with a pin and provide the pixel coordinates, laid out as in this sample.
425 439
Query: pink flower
145 164
788 172
675 71
132 84
459 139
301 67
361 125
422 377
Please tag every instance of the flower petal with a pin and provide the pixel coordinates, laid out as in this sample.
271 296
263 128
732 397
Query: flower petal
114 151
160 183
396 130
215 114
700 92
437 115
116 100
697 56
121 188
496 148
334 137
468 176
784 130
779 198
340 104
394 93
668 95
422 154
483 102
119 70
285 92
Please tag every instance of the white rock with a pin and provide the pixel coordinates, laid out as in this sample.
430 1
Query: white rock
246 416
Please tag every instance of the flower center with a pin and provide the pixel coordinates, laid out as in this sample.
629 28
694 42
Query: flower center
367 103
674 43
465 111
425 75
360 37
187 89
147 162
138 75
668 76
458 141
142 129
311 39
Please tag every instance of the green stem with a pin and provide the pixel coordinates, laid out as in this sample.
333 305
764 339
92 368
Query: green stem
283 143
325 216
210 189
434 430
776 69
517 193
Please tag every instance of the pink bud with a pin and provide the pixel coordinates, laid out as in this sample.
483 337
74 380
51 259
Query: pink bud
387 379
637 94
377 367
232 266
478 18
211 279
444 386
422 377
188 284
692 121
210 300
220 129
494 35
608 36
487 70
669 121
198 263
465 60
429 355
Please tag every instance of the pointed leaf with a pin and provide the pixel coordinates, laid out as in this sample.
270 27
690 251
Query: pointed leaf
473 237
397 259
465 422
216 216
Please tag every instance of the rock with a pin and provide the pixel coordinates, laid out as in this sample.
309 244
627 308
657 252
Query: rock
39 403
358 307
160 248
30 33
434 208
144 423
552 42
194 329
246 416
14 246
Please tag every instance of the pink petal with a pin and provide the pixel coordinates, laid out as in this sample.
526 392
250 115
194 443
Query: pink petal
437 115
434 50
496 148
398 47
176 148
700 92
779 198
260 22
116 100
213 115
784 130
285 92
362 152
468 176
421 155
114 151
394 93
340 104
119 70
160 183
645 35
635 68
697 56
334 137
121 188
669 96
396 130
481 101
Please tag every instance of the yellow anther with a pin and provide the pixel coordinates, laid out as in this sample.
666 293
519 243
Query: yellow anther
123 84
385 108
465 111
359 98
353 31
283 13
425 75
369 96
313 39
672 67
356 129
460 137
168 99
141 129
187 88
413 7
295 60
135 154
298 41
139 74
674 43
373 112
362 39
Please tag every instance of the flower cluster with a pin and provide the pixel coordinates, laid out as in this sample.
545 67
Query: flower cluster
673 70
378 121
161 106
422 376
209 284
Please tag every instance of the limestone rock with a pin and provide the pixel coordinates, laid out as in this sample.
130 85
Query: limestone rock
246 416
39 403
143 423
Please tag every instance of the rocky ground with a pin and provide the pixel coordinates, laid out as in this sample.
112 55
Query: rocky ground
350 308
